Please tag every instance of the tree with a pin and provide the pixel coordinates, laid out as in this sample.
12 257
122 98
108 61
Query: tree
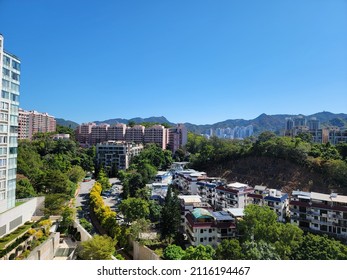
170 216
103 179
97 248
137 227
154 211
257 223
229 250
134 209
76 174
55 181
67 217
260 250
173 252
260 224
54 203
320 247
199 252
24 188
135 183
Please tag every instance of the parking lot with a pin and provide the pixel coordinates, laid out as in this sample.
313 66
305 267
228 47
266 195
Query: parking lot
112 197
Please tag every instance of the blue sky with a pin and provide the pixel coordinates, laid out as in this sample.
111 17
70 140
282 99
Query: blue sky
199 61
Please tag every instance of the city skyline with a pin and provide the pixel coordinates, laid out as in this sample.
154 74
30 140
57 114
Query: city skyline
199 62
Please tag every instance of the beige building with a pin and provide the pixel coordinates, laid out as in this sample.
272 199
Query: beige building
116 132
157 134
99 133
177 138
83 132
135 134
32 122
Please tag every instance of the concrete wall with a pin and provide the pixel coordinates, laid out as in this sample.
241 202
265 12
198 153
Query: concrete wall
141 252
84 234
17 216
47 249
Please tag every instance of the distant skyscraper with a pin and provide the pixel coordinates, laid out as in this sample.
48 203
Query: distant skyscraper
299 121
313 124
9 107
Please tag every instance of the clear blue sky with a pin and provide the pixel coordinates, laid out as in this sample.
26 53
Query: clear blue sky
200 61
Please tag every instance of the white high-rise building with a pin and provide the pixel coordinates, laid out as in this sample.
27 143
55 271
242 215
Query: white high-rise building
9 107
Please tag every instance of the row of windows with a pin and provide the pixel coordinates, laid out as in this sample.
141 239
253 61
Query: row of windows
8 73
3 139
6 95
8 85
7 62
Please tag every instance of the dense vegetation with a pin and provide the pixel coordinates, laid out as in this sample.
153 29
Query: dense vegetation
321 167
51 168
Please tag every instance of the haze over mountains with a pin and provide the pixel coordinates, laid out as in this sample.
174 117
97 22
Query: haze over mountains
262 123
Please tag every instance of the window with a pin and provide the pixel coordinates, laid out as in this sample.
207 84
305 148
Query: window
3 139
14 119
5 94
14 97
3 151
5 83
7 60
210 230
210 239
5 72
201 240
3 128
201 231
15 87
4 105
2 162
13 150
3 117
12 172
13 140
14 109
13 129
15 76
15 65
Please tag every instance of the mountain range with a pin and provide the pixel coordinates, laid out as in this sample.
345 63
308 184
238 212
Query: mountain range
263 122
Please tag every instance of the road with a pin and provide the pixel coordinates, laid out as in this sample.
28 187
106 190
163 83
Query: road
82 198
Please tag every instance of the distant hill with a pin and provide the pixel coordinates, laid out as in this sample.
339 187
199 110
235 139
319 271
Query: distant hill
137 120
263 122
67 123
275 123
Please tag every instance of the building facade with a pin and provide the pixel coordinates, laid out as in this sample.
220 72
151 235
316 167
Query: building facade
209 228
177 137
173 138
318 212
9 108
116 152
31 122
156 134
